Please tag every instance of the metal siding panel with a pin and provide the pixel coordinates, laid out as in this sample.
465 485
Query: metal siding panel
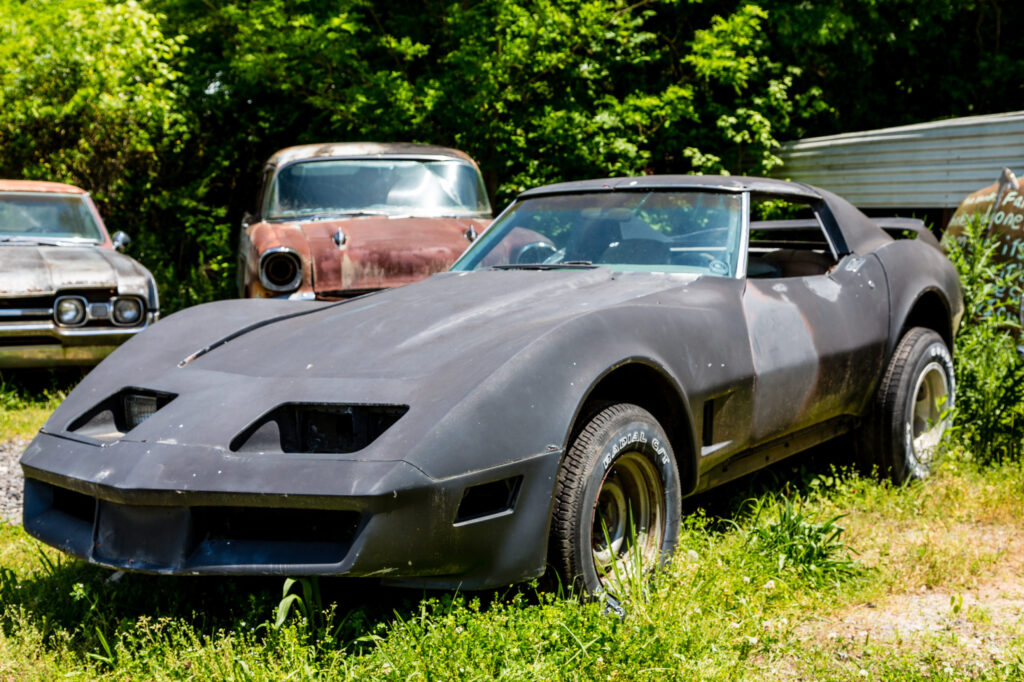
928 165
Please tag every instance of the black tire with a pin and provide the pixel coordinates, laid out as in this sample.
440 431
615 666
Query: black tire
911 408
620 468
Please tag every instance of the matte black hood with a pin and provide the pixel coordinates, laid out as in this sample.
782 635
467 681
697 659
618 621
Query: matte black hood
428 328
427 345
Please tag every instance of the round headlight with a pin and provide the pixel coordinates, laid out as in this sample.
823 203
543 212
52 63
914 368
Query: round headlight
70 312
127 311
280 271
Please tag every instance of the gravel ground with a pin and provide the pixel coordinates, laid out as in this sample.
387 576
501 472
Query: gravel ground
10 480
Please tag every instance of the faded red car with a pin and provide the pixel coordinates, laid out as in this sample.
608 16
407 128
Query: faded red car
340 219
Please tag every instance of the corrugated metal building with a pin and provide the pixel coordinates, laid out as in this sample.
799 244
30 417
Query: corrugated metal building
926 168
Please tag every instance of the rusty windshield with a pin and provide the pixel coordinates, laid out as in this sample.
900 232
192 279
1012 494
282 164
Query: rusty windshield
389 187
42 217
655 231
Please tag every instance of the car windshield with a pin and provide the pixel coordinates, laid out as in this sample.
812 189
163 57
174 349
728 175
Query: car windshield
393 187
42 216
654 231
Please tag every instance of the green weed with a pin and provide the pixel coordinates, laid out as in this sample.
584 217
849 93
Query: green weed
795 543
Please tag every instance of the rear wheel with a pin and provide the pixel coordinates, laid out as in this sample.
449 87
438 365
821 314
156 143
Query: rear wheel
617 501
912 407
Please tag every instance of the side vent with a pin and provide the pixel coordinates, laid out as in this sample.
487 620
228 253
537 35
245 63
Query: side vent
708 426
332 429
488 500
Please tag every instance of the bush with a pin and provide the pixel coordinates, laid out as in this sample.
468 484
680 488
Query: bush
989 419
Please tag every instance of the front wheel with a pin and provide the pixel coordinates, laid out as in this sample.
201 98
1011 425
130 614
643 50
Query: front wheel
617 501
912 408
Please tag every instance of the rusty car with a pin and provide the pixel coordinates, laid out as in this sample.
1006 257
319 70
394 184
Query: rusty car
606 348
67 297
338 220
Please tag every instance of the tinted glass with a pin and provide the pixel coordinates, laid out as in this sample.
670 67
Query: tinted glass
658 231
378 186
38 215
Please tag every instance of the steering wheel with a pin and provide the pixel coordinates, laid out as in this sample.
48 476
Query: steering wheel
536 252
718 267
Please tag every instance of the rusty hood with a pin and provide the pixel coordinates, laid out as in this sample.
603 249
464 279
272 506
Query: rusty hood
39 270
379 252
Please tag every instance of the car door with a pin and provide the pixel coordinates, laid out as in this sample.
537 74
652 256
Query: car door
817 322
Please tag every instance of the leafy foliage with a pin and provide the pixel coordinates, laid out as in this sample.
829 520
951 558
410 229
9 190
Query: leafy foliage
879 63
165 109
989 369
92 94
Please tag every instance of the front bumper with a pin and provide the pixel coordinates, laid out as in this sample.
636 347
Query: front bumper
36 343
287 515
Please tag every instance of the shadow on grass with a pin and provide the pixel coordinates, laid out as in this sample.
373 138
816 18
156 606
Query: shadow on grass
34 385
798 475
70 595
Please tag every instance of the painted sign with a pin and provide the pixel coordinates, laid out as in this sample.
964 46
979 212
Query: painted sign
1002 206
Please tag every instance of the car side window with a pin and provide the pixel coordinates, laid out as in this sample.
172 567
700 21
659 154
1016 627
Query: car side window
787 238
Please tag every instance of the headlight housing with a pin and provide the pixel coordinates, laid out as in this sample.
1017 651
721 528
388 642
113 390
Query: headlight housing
314 427
127 311
280 270
118 414
138 407
69 311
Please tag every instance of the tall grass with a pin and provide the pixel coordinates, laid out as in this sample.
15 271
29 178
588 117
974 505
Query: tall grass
726 607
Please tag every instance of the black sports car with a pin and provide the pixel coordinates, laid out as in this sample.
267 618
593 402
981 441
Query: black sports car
602 350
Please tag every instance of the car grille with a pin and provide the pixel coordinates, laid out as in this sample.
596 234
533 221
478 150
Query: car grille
29 309
220 539
26 308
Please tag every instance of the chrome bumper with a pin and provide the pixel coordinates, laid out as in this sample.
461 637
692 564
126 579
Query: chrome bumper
43 344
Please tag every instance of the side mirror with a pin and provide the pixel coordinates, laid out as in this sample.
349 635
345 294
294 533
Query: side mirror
121 240
247 219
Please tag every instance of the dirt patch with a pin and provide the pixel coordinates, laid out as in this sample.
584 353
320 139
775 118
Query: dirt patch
975 625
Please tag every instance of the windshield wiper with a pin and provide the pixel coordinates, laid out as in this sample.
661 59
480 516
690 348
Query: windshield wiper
346 214
564 265
47 241
314 216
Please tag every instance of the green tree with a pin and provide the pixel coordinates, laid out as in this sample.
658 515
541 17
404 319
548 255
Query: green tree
166 109
889 62
537 91
91 95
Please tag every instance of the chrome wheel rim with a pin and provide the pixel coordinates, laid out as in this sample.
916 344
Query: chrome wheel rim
628 520
928 420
